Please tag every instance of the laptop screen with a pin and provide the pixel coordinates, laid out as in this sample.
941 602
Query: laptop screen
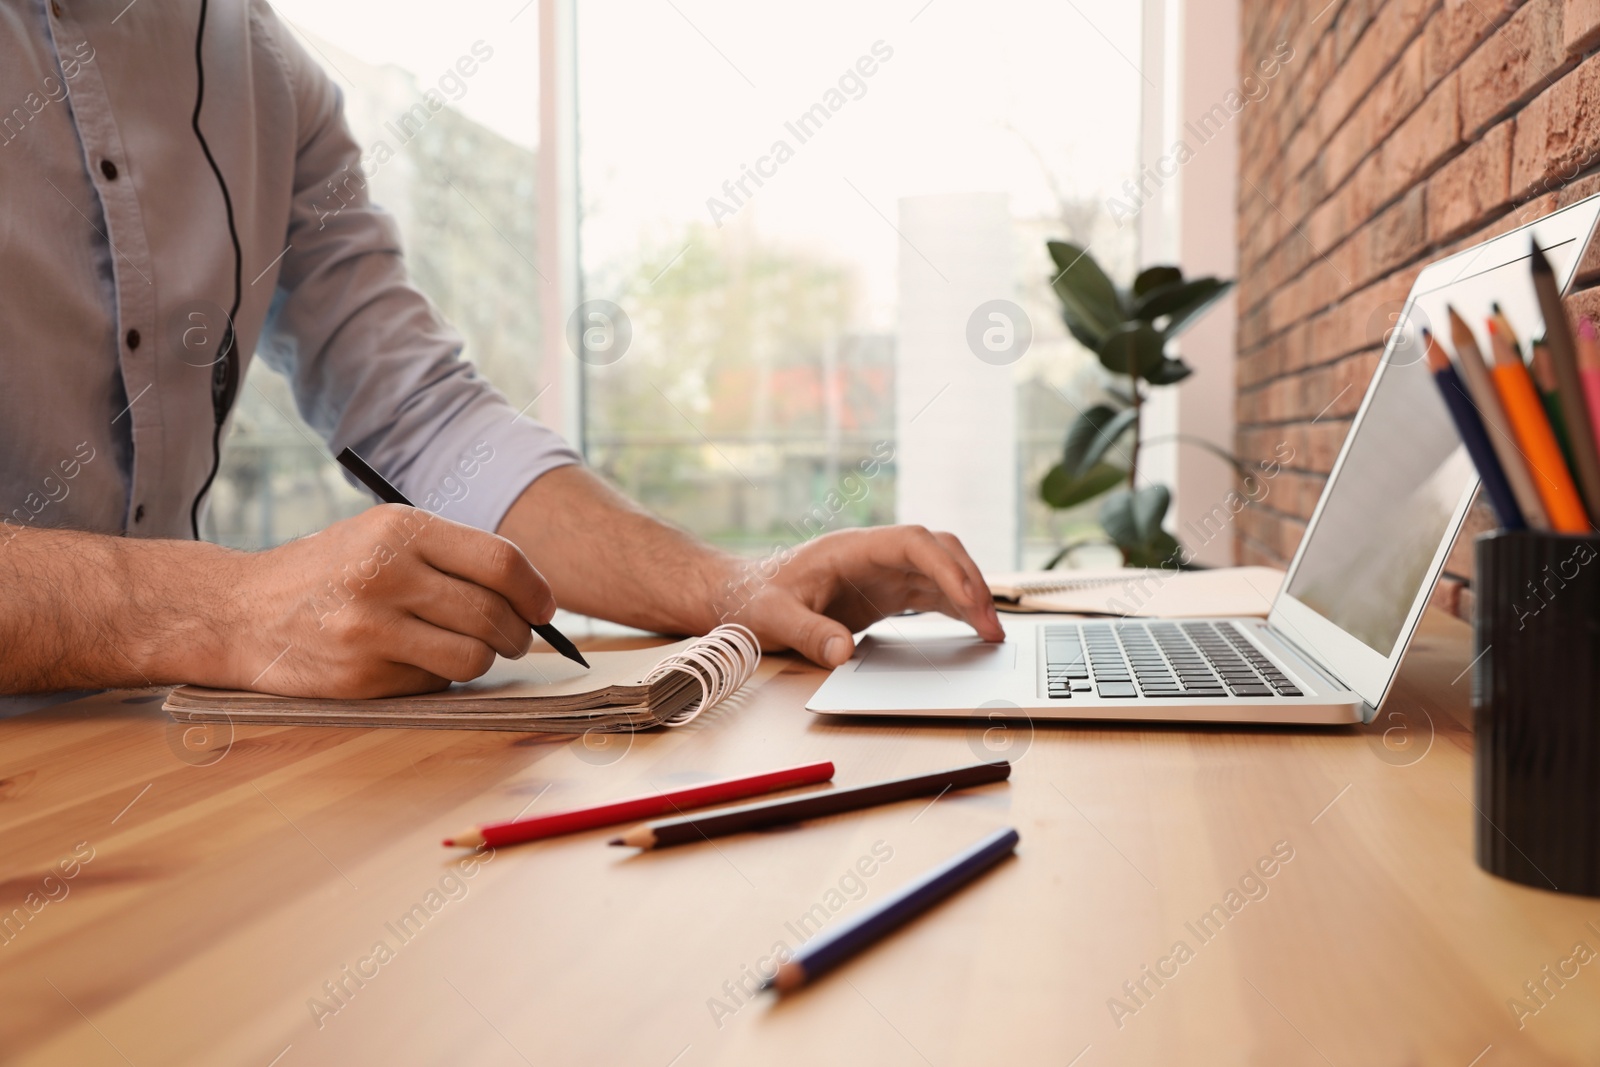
1391 505
1399 491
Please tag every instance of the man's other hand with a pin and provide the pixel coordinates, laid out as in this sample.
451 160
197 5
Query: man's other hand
392 601
814 597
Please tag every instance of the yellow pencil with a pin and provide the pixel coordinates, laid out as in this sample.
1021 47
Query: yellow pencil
1486 398
1532 430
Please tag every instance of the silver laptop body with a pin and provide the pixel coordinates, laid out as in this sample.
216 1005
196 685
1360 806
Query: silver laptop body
1329 650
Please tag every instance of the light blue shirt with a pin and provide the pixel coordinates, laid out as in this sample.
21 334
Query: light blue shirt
116 271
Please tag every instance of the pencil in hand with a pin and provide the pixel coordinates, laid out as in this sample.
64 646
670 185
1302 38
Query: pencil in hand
369 477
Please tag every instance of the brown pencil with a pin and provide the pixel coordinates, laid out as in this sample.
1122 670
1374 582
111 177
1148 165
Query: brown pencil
1486 398
810 806
1568 387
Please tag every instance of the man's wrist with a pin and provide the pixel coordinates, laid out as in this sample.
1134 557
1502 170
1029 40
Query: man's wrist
733 583
178 600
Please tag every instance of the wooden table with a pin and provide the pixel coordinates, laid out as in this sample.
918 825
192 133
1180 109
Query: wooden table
233 890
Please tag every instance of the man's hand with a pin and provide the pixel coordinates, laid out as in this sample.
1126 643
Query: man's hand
812 598
395 600
609 558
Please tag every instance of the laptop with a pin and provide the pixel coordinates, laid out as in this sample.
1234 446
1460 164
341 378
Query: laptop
1331 645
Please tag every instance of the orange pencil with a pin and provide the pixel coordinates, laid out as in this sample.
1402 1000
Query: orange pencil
1532 430
1486 398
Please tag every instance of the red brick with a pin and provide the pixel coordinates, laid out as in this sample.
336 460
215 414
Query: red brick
1393 237
1558 133
1446 593
1580 25
1431 133
1584 302
1514 65
1457 28
1296 348
1473 186
1390 100
1332 222
1289 533
1480 520
1323 441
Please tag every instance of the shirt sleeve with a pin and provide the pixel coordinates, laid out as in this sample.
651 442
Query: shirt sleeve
372 363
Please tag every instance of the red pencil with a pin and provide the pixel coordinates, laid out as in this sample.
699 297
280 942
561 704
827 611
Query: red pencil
644 807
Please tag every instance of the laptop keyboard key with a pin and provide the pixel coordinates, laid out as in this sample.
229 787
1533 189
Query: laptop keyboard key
1117 689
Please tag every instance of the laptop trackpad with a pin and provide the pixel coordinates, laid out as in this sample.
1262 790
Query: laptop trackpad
935 654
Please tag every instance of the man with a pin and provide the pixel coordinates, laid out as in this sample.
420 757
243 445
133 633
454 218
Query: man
116 255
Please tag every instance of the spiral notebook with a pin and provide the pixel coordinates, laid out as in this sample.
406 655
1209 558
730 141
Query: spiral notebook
667 685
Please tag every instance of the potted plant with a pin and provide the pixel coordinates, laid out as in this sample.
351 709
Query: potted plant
1128 329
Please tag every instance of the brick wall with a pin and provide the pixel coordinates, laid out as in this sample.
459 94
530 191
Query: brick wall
1399 132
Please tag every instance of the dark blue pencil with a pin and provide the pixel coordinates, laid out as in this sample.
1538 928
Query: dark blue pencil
830 950
1470 426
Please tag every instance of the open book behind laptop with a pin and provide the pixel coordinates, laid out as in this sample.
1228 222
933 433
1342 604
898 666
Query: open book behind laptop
1329 649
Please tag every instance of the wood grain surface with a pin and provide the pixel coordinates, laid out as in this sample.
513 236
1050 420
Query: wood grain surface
228 898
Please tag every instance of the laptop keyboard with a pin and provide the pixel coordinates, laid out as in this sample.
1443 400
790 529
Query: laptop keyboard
1161 660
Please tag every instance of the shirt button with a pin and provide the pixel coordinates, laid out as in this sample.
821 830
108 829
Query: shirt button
133 339
109 169
138 513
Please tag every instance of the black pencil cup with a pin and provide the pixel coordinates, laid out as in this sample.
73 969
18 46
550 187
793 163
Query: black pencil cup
1536 706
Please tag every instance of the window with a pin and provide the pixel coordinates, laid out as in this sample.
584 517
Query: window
747 175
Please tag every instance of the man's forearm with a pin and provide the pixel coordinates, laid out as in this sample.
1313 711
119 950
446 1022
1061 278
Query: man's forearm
605 556
87 611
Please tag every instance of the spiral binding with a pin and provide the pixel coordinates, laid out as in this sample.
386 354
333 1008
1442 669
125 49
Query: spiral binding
721 661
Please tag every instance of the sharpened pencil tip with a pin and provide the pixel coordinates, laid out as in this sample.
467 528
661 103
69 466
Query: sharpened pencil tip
616 841
449 842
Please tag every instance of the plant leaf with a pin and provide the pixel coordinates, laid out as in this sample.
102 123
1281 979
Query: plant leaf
1161 551
1095 431
1154 278
1181 303
1061 490
1134 518
1169 372
1080 334
1088 298
1132 348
